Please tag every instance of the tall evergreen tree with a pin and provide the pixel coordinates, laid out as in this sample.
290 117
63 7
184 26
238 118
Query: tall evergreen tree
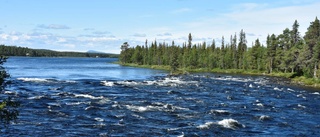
272 47
296 43
242 48
189 41
124 52
312 38
295 34
223 54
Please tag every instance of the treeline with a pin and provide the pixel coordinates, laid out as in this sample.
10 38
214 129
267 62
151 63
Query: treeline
24 51
288 52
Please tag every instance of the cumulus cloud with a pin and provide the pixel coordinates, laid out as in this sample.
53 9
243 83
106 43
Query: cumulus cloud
165 34
101 32
62 42
139 35
258 19
53 26
16 33
96 36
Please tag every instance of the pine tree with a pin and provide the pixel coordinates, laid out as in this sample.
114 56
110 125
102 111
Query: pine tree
271 47
189 41
283 52
311 53
223 54
295 34
174 64
296 43
242 48
234 52
124 52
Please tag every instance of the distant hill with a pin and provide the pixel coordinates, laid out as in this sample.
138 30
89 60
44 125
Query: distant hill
94 51
25 51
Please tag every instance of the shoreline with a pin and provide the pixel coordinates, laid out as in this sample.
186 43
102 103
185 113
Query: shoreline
296 81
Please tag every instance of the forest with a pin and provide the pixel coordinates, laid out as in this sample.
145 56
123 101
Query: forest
289 52
24 51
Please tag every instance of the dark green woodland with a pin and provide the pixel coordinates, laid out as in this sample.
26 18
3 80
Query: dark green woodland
289 52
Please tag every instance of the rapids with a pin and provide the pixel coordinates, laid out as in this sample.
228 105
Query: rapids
92 97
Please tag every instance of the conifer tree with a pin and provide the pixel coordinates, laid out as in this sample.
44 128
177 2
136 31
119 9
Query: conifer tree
312 39
242 48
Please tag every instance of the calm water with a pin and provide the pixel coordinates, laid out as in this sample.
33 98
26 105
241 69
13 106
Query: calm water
92 97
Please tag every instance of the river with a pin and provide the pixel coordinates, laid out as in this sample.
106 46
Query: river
93 97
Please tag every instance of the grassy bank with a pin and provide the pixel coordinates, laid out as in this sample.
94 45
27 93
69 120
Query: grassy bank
159 67
301 80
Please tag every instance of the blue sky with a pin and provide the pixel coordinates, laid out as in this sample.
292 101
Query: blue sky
103 25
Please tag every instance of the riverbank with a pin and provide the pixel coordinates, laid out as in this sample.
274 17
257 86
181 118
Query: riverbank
300 80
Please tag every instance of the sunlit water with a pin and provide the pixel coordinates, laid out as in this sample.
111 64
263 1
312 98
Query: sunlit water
93 97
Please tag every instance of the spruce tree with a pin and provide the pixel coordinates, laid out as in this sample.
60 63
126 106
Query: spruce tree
311 53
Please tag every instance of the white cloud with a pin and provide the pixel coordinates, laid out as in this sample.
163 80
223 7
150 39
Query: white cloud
4 36
61 40
101 32
139 35
69 45
258 19
53 26
165 34
98 39
15 33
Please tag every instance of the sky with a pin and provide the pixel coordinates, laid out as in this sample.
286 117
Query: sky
103 25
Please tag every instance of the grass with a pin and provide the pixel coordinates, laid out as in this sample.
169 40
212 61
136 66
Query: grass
159 67
314 82
301 80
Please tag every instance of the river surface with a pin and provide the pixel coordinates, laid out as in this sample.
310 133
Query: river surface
93 97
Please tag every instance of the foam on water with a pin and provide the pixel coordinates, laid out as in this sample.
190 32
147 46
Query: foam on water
206 125
155 107
107 83
260 105
264 118
250 86
99 119
301 96
226 123
168 81
136 108
230 78
88 96
230 123
36 97
289 89
33 79
76 103
10 92
301 106
174 81
223 112
278 89
129 83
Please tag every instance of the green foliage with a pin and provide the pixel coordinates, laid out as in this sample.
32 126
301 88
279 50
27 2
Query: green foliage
24 51
8 111
3 73
284 54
